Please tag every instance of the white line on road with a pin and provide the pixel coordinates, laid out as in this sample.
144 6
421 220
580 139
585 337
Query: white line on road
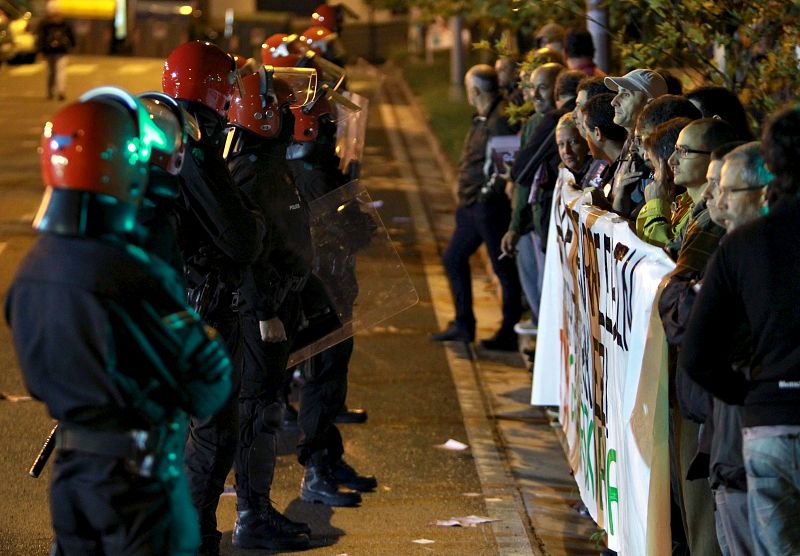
29 69
138 69
511 532
81 69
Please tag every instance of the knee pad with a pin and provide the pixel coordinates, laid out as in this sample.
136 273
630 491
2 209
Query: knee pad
270 416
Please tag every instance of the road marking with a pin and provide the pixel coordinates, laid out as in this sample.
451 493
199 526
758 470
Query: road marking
26 70
511 533
81 69
138 69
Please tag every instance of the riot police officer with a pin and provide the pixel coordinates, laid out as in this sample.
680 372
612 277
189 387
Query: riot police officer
271 305
221 233
105 339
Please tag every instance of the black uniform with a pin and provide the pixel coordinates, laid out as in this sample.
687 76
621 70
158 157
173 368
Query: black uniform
271 289
324 391
104 339
220 234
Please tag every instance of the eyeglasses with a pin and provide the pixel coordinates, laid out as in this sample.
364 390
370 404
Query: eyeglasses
738 189
683 151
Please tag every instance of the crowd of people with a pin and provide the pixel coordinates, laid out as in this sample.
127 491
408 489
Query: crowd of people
174 275
687 173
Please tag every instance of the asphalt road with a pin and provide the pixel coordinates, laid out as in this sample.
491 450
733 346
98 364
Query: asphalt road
397 374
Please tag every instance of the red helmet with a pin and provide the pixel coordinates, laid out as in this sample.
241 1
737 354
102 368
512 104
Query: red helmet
307 118
201 72
96 146
258 107
327 16
279 51
318 38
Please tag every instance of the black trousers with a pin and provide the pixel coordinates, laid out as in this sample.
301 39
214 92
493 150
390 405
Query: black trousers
482 222
99 508
322 397
211 447
264 378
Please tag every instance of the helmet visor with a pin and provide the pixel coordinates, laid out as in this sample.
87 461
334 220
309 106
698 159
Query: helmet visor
302 83
329 73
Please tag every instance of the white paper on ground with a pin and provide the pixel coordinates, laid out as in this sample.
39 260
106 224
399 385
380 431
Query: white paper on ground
469 521
453 445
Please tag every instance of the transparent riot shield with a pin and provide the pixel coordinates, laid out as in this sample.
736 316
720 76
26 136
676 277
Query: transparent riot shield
358 278
351 130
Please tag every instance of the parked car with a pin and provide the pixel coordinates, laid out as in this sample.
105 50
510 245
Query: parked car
6 42
21 30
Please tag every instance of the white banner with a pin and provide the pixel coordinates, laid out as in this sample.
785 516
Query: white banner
601 358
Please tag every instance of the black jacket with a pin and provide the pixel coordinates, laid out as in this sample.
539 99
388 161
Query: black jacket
471 174
751 281
221 232
89 320
261 172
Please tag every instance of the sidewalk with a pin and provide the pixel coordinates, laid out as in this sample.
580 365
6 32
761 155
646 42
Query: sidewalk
531 449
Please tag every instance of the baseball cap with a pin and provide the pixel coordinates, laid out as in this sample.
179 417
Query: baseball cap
644 80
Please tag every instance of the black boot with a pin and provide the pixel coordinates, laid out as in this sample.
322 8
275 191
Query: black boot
349 477
261 529
319 486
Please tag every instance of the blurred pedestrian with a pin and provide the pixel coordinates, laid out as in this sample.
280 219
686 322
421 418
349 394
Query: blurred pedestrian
55 40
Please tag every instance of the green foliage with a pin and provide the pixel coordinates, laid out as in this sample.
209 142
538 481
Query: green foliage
518 114
758 40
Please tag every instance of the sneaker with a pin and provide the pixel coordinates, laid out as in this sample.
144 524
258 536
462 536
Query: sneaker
349 477
526 328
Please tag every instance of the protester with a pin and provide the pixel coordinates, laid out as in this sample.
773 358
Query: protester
55 40
579 53
746 287
522 240
633 91
482 216
508 79
551 35
657 112
587 88
722 103
606 139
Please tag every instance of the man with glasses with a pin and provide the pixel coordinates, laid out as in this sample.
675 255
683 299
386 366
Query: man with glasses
689 164
741 187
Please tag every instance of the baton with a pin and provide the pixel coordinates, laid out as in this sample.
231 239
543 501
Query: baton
44 454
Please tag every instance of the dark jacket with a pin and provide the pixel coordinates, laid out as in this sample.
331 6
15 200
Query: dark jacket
261 172
221 232
55 36
471 173
89 319
539 151
751 281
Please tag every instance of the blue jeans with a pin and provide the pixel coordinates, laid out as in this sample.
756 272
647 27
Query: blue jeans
773 491
530 264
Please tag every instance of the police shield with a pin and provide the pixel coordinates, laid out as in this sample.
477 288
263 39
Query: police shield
358 278
351 129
